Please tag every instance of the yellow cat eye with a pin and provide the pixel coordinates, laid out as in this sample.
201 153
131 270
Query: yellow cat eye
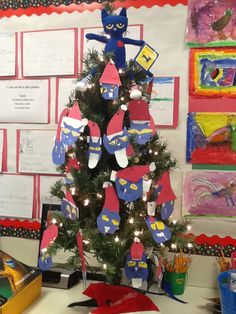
91 148
124 138
142 265
65 130
97 148
133 186
120 25
105 217
131 264
115 222
122 181
145 131
75 133
114 142
153 226
160 225
109 26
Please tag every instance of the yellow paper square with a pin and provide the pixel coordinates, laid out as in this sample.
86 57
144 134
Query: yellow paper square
146 57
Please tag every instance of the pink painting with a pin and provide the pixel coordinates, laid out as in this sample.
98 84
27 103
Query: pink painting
211 23
209 193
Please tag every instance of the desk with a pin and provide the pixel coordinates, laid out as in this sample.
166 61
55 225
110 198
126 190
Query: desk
55 301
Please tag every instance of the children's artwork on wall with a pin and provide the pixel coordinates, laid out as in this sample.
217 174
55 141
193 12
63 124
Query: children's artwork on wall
209 193
213 73
211 23
211 138
164 104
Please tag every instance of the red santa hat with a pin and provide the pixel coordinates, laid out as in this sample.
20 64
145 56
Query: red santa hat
111 200
49 235
137 250
68 197
115 125
110 75
134 173
166 194
94 130
139 110
74 118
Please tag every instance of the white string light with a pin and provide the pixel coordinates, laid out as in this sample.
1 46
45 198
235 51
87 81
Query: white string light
156 153
86 202
190 246
72 191
99 195
174 246
144 198
117 239
54 221
189 227
104 266
131 221
86 241
61 224
137 233
174 222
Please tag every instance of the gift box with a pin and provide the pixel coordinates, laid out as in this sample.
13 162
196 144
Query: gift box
20 285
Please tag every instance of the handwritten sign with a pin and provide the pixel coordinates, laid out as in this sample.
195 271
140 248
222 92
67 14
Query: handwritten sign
25 101
35 151
48 53
16 196
7 54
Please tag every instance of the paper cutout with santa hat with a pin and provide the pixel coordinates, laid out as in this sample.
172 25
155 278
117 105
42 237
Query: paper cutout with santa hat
140 122
108 220
160 232
110 82
117 140
129 182
68 207
49 235
166 195
136 268
72 125
73 163
95 142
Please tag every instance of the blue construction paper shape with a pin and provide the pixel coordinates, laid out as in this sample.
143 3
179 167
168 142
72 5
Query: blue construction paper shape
136 268
58 153
160 232
108 221
167 210
109 91
69 211
129 191
45 262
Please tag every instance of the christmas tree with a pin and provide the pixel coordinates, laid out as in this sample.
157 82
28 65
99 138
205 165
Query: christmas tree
117 199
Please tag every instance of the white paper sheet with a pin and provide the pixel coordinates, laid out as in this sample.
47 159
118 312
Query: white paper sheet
49 53
24 101
16 195
7 54
46 182
35 151
1 148
134 32
65 88
162 103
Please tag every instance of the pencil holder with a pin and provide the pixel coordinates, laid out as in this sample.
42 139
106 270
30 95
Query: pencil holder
227 296
177 281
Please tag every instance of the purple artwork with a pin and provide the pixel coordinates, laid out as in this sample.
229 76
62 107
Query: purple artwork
209 193
211 23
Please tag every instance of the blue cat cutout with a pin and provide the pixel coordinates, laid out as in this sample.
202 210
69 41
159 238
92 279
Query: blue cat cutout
129 191
69 135
160 232
166 210
141 132
136 268
58 153
117 142
108 221
69 211
109 91
115 26
45 262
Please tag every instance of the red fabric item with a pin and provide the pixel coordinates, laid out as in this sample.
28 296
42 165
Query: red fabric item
137 250
139 110
116 123
110 75
118 299
166 193
111 200
134 173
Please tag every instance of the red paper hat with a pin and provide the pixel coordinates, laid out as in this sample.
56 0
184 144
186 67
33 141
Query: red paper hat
166 194
137 250
74 118
134 173
110 75
116 123
94 129
130 151
118 299
111 200
139 110
49 235
69 198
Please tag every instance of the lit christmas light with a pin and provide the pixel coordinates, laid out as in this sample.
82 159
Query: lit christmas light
117 239
137 233
54 221
108 36
86 241
173 246
101 58
61 224
144 198
190 246
120 71
44 250
189 227
156 153
90 85
72 191
150 151
104 266
122 98
86 202
131 221
174 222
99 195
